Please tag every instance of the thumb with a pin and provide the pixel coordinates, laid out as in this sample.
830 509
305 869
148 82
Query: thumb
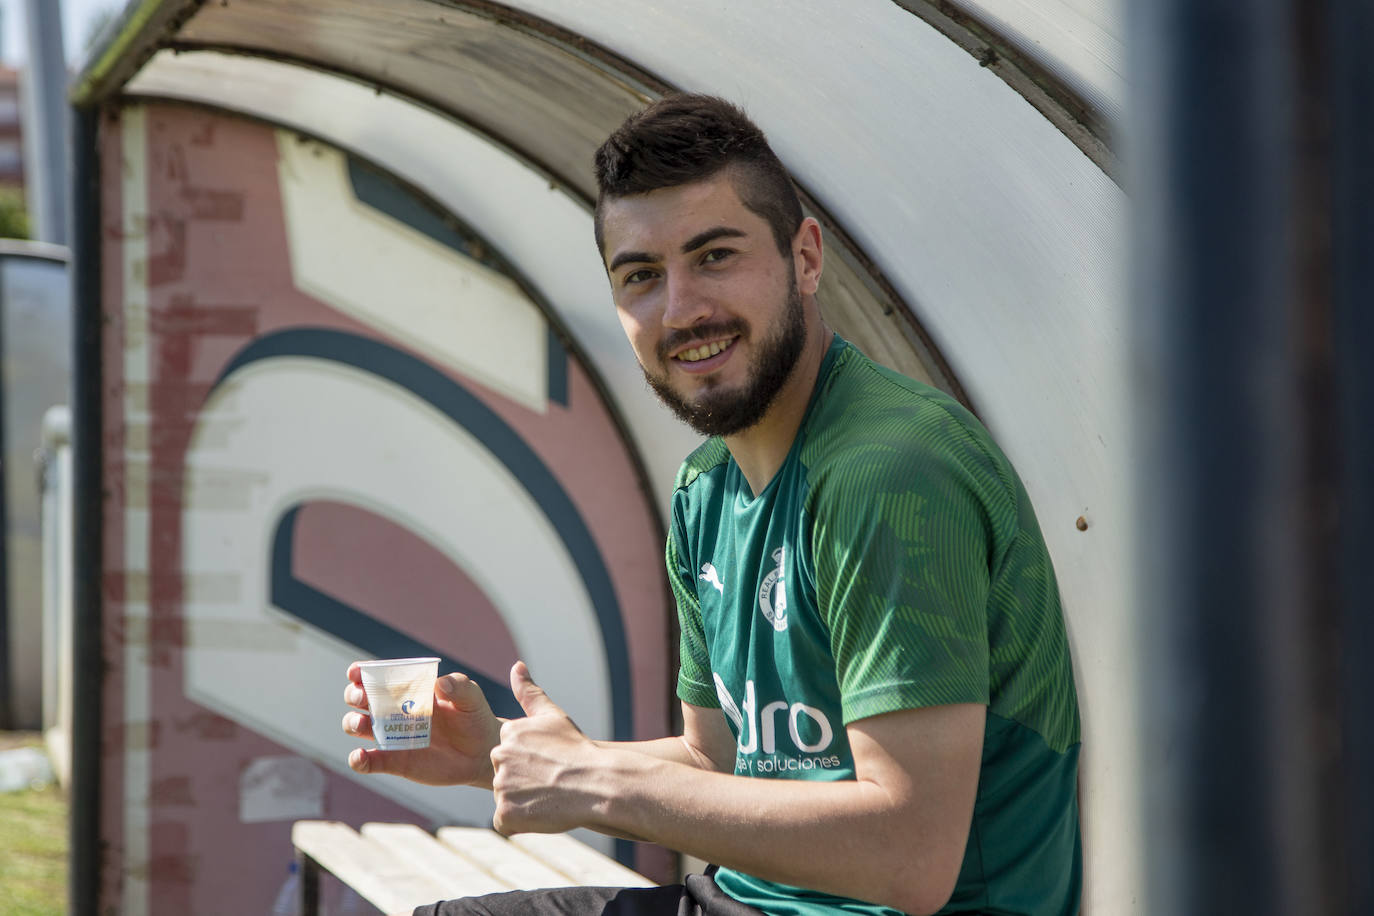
528 694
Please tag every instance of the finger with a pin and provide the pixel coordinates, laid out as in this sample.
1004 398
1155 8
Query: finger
460 690
355 673
355 696
376 760
358 725
531 697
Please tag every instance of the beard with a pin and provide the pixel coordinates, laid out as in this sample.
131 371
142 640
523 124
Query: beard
719 411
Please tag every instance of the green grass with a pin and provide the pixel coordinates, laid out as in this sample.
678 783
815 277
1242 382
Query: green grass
33 845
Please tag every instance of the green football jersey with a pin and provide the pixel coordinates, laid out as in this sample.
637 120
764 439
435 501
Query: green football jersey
893 562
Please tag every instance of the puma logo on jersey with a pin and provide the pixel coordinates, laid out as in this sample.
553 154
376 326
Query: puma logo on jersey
708 572
773 594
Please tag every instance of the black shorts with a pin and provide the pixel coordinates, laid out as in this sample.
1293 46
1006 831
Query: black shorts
698 896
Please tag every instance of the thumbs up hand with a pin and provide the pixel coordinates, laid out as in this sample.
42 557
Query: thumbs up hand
544 765
530 695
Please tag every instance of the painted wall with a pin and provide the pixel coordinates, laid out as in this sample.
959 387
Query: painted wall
334 428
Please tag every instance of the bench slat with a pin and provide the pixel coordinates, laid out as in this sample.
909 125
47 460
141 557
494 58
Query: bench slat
502 858
579 861
382 879
456 873
397 867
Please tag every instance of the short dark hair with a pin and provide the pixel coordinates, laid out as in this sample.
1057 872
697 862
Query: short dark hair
685 138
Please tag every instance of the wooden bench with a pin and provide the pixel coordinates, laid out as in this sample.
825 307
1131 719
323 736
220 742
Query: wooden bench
397 867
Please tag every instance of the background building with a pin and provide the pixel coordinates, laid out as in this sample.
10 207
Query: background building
11 131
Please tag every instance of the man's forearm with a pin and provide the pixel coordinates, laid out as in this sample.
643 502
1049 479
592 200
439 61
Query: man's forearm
847 838
895 834
676 749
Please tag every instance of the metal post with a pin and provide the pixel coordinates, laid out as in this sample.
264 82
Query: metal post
1244 581
88 674
1351 34
46 172
309 871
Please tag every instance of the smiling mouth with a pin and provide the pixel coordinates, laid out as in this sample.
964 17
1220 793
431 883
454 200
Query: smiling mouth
705 351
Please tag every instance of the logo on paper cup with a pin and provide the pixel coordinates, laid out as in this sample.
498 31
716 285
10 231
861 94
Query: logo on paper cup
408 707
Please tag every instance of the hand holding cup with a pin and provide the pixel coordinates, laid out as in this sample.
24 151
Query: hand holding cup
462 731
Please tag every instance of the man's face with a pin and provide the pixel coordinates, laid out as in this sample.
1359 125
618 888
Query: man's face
710 306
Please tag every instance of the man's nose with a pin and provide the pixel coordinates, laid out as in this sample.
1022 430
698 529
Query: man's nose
686 305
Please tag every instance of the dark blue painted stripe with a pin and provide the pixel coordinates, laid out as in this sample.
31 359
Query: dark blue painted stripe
328 613
382 192
464 409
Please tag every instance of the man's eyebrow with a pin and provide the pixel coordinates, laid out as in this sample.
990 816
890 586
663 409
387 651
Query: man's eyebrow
632 257
710 235
705 237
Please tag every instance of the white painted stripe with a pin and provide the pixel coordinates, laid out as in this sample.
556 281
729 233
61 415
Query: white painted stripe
136 535
447 306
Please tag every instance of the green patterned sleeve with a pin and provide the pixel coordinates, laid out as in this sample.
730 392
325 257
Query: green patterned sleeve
903 543
694 682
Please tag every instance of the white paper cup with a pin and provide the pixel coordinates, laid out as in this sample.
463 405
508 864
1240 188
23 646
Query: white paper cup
400 696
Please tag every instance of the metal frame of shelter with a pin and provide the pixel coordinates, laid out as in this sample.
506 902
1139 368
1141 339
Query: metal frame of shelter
943 222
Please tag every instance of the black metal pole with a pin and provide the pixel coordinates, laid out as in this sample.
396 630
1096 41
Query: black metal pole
1248 579
87 566
1351 34
309 872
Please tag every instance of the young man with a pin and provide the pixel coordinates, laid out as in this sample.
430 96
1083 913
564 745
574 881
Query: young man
878 705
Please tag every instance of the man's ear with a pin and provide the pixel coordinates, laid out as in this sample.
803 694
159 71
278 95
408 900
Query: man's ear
808 256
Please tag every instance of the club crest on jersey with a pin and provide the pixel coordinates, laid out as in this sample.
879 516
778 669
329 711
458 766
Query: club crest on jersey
773 594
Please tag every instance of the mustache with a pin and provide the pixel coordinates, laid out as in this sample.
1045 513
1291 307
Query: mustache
686 337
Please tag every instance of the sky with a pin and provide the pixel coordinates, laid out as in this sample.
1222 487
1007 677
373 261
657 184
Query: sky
77 19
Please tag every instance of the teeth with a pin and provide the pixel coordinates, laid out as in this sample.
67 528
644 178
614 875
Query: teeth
700 353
